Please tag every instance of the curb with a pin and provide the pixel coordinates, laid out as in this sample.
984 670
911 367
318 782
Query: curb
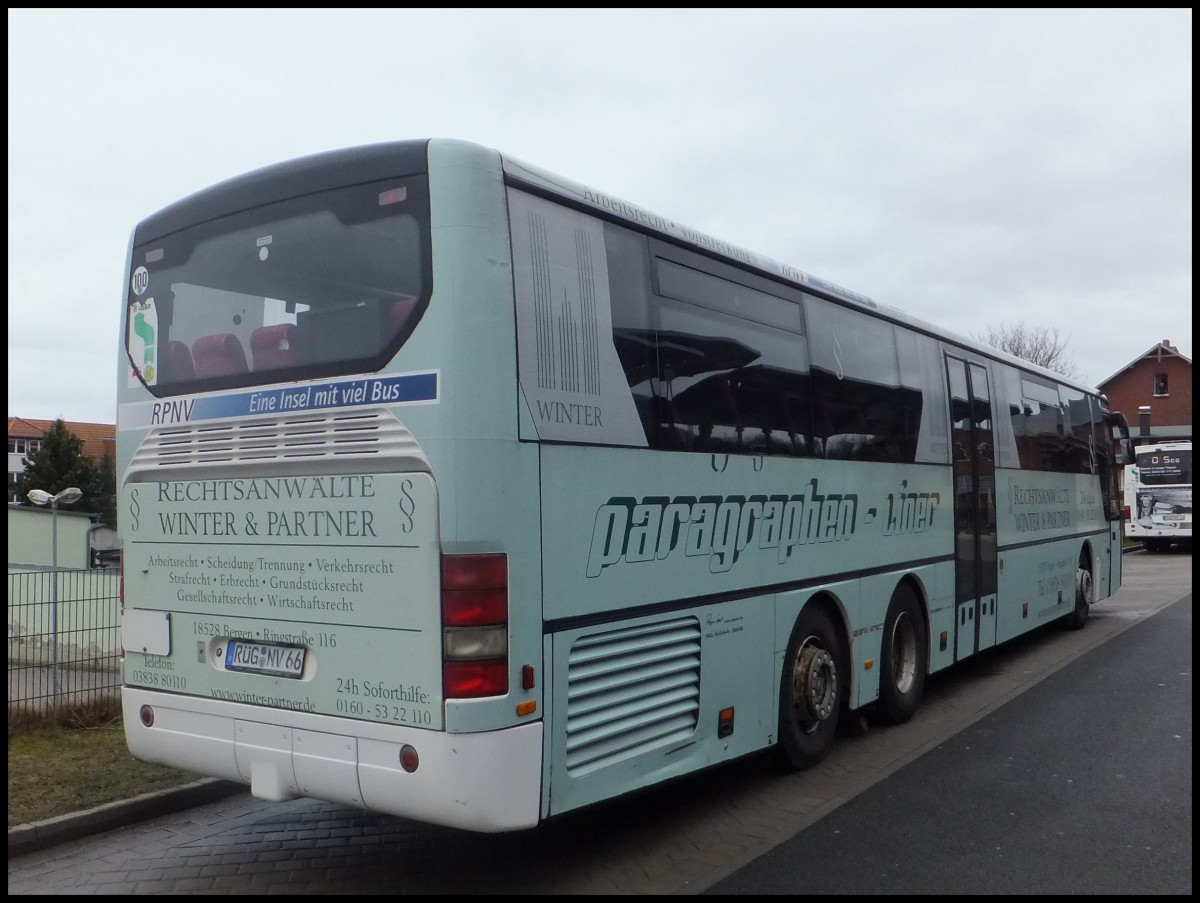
60 829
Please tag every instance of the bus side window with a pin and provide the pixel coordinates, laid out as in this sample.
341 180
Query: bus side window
218 355
864 409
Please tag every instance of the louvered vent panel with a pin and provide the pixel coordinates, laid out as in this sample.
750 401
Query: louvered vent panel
631 690
363 434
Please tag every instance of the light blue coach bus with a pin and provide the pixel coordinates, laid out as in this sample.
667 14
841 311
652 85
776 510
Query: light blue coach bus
460 491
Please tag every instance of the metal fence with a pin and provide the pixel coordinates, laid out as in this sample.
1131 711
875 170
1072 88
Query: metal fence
64 645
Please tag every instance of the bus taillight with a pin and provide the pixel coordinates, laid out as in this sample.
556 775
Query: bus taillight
474 625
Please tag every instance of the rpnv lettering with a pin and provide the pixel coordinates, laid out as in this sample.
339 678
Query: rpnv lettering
172 411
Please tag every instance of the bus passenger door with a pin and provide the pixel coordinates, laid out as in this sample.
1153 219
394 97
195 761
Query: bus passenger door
974 461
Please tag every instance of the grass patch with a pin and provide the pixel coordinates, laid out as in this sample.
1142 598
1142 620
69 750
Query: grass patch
71 761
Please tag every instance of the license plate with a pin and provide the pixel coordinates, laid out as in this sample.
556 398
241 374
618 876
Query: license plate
1173 516
265 658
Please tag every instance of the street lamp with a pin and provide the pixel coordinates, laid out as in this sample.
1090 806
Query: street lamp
68 496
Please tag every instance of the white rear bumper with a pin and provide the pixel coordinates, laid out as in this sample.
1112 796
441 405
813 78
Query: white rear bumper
488 781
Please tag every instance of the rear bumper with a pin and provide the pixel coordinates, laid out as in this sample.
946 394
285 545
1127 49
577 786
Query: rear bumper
488 781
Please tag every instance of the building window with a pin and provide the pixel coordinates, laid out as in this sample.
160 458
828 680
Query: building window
1160 384
24 446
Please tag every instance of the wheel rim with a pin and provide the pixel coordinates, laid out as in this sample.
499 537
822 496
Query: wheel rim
814 682
1086 589
904 653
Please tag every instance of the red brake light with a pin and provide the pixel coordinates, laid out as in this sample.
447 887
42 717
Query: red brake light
474 590
392 196
461 572
475 625
466 607
469 680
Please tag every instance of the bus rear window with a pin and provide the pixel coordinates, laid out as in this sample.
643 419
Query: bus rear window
323 285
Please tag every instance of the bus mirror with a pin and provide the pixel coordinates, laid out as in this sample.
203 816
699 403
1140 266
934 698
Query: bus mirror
1122 444
1125 452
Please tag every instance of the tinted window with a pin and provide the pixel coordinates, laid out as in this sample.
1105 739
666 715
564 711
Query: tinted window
1079 437
714 364
685 283
326 284
1038 425
717 360
861 409
729 384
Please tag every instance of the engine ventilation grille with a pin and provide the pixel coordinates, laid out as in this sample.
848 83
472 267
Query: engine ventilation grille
277 441
630 691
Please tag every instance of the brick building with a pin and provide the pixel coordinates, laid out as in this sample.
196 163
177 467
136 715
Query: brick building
1154 392
25 437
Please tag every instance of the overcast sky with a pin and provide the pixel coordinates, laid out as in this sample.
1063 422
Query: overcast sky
974 168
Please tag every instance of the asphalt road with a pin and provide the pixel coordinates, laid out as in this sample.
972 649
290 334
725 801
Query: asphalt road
1082 785
1057 763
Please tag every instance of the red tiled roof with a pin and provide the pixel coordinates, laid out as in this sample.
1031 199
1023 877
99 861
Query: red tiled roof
98 438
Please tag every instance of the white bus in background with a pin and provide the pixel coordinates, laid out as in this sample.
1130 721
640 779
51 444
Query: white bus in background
1158 495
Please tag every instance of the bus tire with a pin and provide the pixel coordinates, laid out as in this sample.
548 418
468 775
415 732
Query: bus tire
1085 595
812 689
904 658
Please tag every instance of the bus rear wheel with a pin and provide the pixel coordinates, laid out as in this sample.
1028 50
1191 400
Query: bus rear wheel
812 689
904 658
1085 595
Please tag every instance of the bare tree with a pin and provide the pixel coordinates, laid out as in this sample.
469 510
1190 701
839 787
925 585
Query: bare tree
1037 345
